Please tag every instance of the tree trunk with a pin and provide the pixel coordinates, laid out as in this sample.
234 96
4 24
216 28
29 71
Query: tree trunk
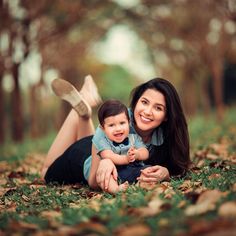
217 76
34 127
2 112
17 112
205 100
189 93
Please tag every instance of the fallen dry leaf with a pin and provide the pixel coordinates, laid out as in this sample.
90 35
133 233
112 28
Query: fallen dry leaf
4 166
95 205
212 156
234 187
211 228
92 227
161 188
137 230
16 225
25 198
227 209
51 214
220 148
214 176
187 184
206 202
153 208
147 186
52 217
211 196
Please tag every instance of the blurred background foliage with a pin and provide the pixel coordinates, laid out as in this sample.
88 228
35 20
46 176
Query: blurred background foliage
191 43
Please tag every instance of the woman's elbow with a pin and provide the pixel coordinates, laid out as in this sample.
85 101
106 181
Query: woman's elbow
93 183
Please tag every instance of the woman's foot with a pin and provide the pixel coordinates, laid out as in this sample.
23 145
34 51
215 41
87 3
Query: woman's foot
89 92
69 93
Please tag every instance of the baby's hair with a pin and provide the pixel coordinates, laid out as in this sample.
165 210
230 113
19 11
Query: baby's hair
111 107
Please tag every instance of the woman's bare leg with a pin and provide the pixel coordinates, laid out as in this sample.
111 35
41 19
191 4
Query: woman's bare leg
73 129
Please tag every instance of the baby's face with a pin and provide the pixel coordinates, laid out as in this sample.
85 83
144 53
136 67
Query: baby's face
116 127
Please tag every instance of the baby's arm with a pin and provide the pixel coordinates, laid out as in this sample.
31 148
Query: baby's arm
138 150
116 158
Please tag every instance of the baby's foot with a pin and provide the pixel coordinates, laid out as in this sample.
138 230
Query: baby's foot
123 187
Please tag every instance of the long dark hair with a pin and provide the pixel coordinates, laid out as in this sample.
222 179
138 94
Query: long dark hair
175 130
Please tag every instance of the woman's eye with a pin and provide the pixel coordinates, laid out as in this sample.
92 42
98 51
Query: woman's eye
144 102
159 108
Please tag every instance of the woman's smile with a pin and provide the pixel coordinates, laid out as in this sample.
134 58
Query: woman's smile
145 119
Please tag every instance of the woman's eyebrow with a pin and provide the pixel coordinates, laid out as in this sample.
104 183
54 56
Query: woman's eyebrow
158 104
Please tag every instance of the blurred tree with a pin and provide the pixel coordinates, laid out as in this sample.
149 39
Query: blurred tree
58 31
118 82
14 49
178 32
186 44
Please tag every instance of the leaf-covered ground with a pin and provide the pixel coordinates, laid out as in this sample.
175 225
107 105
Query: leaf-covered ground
202 203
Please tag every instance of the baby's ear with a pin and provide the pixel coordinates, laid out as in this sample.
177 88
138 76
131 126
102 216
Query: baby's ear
101 127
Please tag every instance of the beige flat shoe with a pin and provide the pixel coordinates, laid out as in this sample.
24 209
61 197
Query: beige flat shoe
69 93
89 92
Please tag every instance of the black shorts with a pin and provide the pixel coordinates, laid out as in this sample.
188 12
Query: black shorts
130 172
68 168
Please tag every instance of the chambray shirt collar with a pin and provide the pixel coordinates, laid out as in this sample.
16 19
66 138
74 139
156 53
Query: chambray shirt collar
157 137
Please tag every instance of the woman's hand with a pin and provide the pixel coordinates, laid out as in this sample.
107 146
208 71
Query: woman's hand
105 171
154 174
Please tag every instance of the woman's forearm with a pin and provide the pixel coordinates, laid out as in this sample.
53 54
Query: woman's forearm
93 169
142 154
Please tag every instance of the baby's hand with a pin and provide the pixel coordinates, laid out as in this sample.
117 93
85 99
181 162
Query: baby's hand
131 154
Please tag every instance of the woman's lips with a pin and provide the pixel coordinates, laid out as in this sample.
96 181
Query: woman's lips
144 119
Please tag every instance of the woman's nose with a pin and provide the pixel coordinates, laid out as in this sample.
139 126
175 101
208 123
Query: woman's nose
148 110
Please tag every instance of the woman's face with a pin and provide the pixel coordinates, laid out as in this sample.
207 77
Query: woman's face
150 111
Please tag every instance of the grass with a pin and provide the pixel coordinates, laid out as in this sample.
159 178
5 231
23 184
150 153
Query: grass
194 205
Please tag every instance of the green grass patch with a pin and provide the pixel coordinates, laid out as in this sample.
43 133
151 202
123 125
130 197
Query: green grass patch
29 207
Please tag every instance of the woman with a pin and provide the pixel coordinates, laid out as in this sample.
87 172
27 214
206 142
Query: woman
156 116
